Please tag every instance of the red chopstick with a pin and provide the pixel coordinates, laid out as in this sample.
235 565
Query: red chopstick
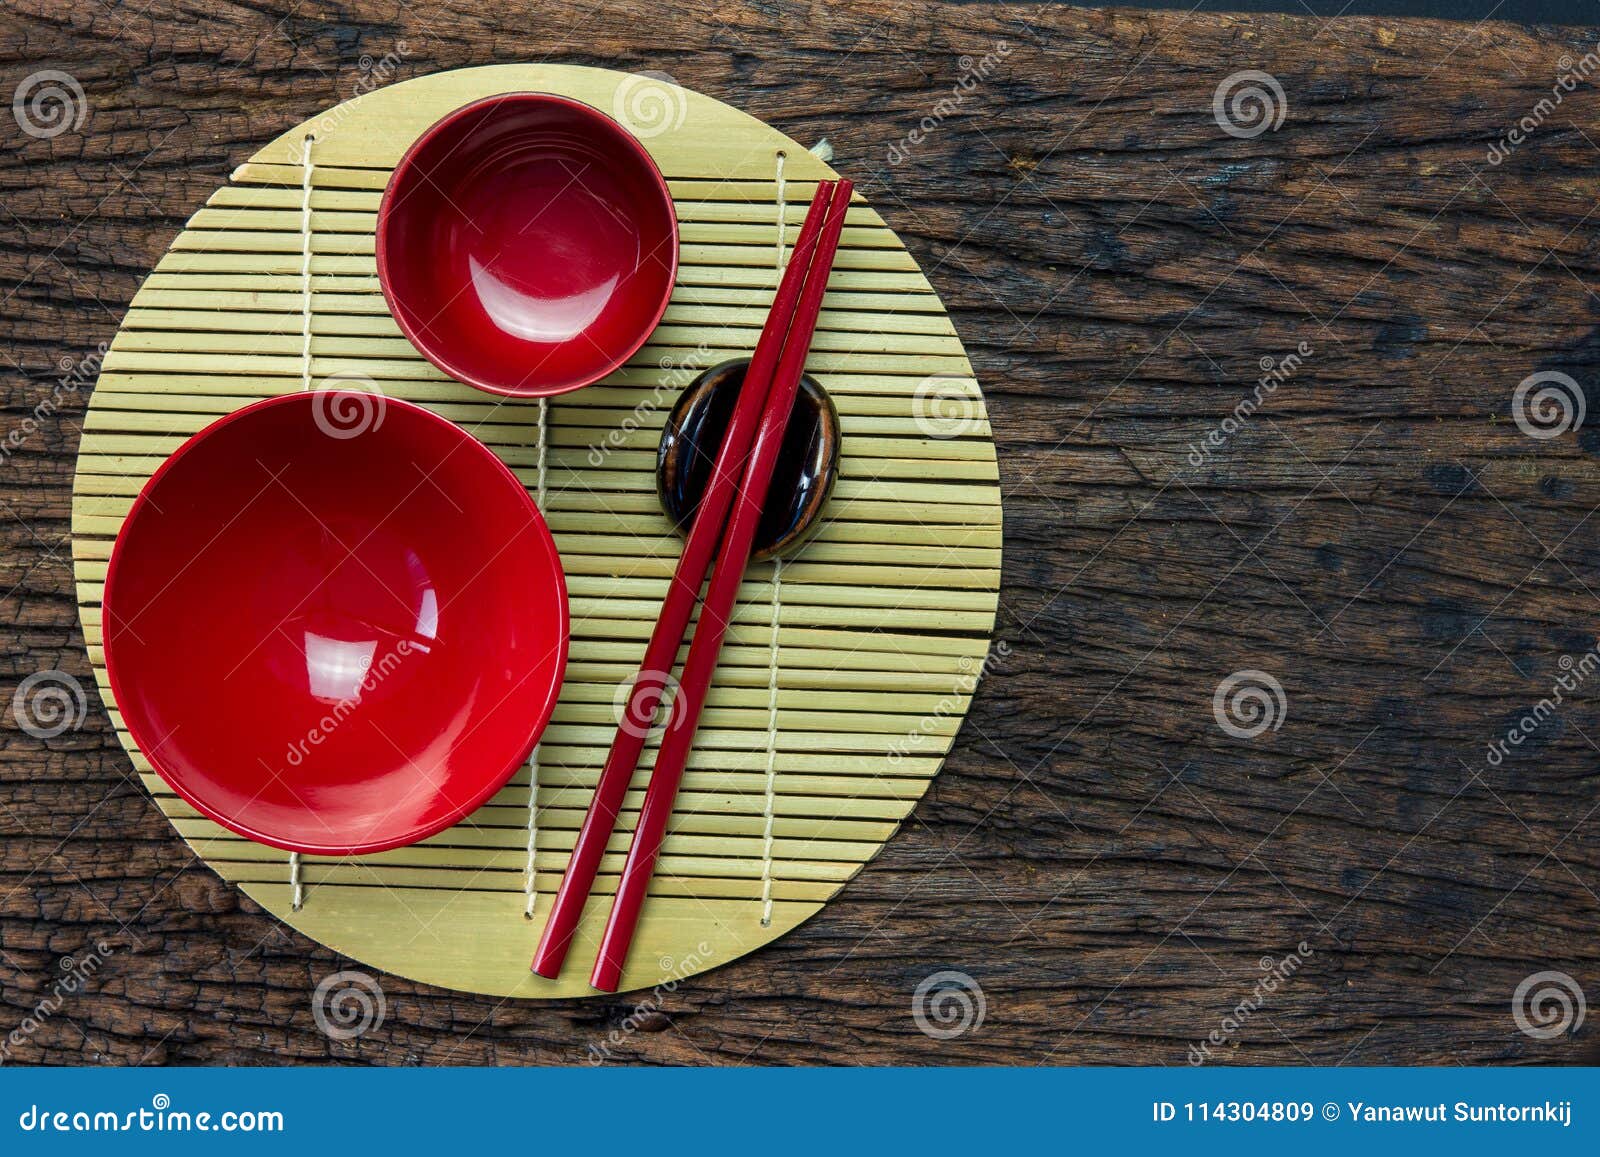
726 578
661 653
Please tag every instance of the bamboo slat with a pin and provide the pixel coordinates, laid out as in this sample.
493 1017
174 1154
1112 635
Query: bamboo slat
844 680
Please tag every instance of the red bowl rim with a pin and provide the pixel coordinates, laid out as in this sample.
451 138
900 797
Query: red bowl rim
423 345
422 832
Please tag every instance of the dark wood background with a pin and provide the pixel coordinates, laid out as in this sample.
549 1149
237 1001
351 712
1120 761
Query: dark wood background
1099 855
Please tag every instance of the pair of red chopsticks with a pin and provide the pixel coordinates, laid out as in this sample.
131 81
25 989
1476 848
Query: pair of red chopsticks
739 480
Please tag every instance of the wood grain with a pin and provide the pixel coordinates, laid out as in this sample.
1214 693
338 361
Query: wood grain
1099 854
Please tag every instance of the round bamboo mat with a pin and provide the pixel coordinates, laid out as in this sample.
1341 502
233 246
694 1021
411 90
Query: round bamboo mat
847 671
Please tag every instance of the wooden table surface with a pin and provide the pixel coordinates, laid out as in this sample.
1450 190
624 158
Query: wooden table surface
1108 863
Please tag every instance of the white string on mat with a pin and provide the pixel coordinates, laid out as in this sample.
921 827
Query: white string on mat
769 801
297 891
305 264
782 224
530 885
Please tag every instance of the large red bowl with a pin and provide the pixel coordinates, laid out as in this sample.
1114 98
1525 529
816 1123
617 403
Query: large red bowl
527 244
335 622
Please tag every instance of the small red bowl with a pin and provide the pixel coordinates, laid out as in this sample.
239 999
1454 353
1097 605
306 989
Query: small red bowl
335 622
527 244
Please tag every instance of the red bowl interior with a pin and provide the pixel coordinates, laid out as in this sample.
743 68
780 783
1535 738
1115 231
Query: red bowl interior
335 623
527 244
